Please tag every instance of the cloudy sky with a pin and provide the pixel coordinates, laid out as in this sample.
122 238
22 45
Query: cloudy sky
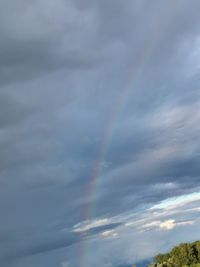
99 130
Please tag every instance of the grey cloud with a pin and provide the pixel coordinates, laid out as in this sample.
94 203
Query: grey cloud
12 111
39 37
79 76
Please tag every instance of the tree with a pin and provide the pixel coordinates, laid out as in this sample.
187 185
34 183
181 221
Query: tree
184 255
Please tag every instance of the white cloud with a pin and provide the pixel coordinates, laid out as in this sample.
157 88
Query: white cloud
109 233
175 202
90 224
168 225
152 224
162 225
185 223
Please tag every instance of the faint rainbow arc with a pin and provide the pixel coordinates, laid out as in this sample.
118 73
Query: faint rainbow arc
133 76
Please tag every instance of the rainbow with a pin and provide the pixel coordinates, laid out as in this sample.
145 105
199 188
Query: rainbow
132 78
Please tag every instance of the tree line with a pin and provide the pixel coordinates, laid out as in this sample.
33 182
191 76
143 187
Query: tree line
183 255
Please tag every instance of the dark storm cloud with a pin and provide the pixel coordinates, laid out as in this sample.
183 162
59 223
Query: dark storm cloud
63 69
42 36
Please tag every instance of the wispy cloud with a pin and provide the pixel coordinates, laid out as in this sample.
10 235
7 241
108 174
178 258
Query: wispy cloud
87 225
176 202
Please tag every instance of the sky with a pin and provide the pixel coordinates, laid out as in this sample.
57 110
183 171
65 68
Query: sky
99 130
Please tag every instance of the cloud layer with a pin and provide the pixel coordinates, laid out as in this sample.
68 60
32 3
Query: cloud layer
99 130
